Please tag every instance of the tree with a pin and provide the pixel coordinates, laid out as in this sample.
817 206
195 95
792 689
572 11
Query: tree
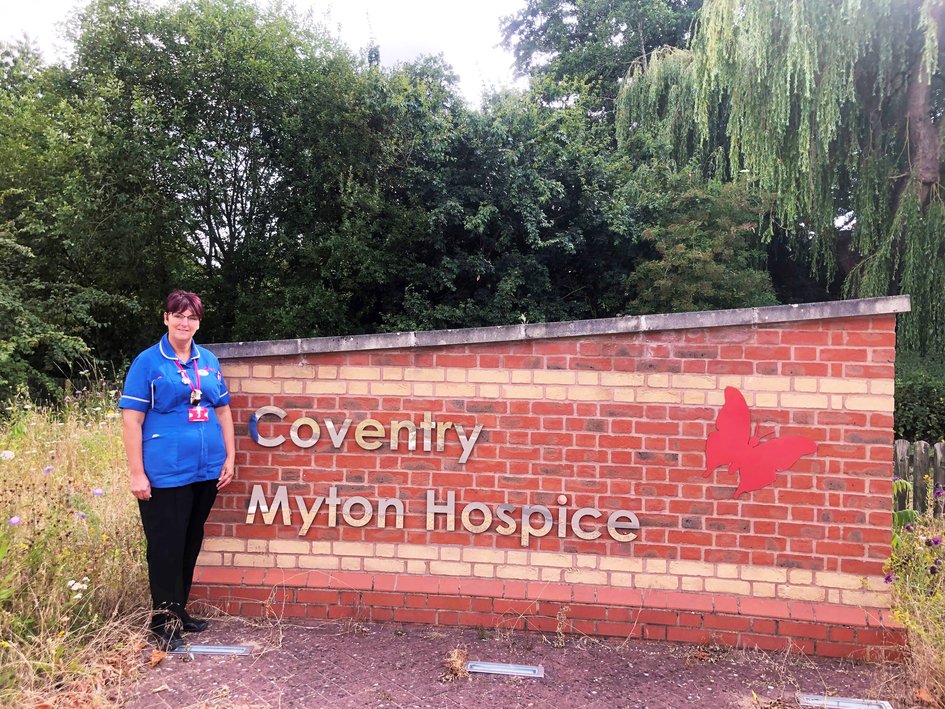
834 107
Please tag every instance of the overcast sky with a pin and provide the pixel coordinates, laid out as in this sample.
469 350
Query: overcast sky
466 33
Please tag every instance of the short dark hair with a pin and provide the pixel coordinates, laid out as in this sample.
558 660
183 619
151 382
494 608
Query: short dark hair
180 300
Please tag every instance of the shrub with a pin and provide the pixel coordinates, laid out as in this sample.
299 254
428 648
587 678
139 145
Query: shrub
72 585
920 397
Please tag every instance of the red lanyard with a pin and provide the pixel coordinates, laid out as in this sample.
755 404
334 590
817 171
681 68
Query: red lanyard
186 378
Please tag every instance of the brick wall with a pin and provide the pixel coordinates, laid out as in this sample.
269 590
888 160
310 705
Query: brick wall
607 415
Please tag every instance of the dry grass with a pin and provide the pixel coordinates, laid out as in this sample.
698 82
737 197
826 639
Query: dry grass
73 585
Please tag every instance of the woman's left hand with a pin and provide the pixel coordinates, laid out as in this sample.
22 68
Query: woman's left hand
226 474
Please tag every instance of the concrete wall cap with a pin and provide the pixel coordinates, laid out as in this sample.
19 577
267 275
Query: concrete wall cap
575 328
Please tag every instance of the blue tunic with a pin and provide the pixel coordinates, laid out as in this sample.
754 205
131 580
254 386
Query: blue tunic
177 451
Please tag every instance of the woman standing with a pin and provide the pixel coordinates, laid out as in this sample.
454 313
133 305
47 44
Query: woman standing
178 435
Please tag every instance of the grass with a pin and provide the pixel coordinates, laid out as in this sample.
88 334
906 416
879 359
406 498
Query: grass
73 584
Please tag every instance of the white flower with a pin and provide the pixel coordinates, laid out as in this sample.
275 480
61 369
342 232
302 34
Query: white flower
7 455
85 579
77 596
70 583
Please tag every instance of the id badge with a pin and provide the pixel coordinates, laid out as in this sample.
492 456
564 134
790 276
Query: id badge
198 413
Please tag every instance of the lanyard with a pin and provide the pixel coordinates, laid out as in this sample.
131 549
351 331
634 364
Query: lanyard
193 388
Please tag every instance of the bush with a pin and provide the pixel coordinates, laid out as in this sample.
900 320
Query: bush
73 585
920 397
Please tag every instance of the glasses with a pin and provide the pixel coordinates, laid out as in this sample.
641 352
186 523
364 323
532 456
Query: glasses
192 319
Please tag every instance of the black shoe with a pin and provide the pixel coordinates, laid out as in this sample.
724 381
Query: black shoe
189 624
168 640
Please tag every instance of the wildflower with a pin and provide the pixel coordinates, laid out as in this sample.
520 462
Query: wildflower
936 540
940 492
889 578
933 570
7 455
908 528
48 469
80 515
98 492
77 596
14 521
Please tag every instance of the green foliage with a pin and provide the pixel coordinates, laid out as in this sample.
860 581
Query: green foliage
710 255
920 397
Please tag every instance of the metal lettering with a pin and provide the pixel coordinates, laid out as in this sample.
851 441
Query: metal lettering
257 500
615 525
467 443
352 520
337 437
254 426
527 529
486 517
361 433
308 515
395 429
576 523
448 509
385 505
305 442
508 526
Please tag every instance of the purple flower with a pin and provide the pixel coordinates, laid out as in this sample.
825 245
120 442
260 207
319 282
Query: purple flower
48 469
940 492
98 492
14 521
936 540
80 515
889 578
908 528
933 570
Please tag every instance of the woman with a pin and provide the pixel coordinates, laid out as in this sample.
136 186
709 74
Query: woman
178 435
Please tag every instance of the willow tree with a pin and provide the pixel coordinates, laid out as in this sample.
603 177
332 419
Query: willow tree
832 106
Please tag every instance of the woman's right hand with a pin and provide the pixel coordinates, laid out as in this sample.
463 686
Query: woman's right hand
140 486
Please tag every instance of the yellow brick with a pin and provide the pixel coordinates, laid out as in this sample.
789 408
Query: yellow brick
656 581
423 389
416 567
586 561
728 380
585 576
764 573
622 379
757 384
450 568
298 371
552 376
655 566
327 372
581 393
834 580
263 371
450 553
321 547
235 371
550 574
490 376
392 373
209 558
521 391
488 556
391 389
319 562
320 387
801 577
693 397
844 386
282 546
619 579
489 391
833 595
524 573
521 376
625 394
869 403
353 549
517 558
691 568
691 583
293 386
416 551
766 400
763 590
804 401
693 381
806 384
455 374
395 566
866 599
588 378
882 387
545 558
556 393
717 398
801 593
486 571
660 381
351 563
368 373
261 386
649 396
259 546
454 390
420 374
387 551
254 560
287 561
741 588
836 402
620 563
224 544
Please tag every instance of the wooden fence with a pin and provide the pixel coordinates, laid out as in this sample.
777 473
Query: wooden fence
912 462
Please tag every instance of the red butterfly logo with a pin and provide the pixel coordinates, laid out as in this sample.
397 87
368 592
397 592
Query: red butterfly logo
755 461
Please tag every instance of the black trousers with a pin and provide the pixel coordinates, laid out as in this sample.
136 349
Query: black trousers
173 522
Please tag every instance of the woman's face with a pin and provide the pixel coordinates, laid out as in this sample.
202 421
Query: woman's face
181 326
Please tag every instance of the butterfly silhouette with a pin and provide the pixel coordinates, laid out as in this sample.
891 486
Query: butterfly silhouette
756 461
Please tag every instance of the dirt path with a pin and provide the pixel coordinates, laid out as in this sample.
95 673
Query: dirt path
345 664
